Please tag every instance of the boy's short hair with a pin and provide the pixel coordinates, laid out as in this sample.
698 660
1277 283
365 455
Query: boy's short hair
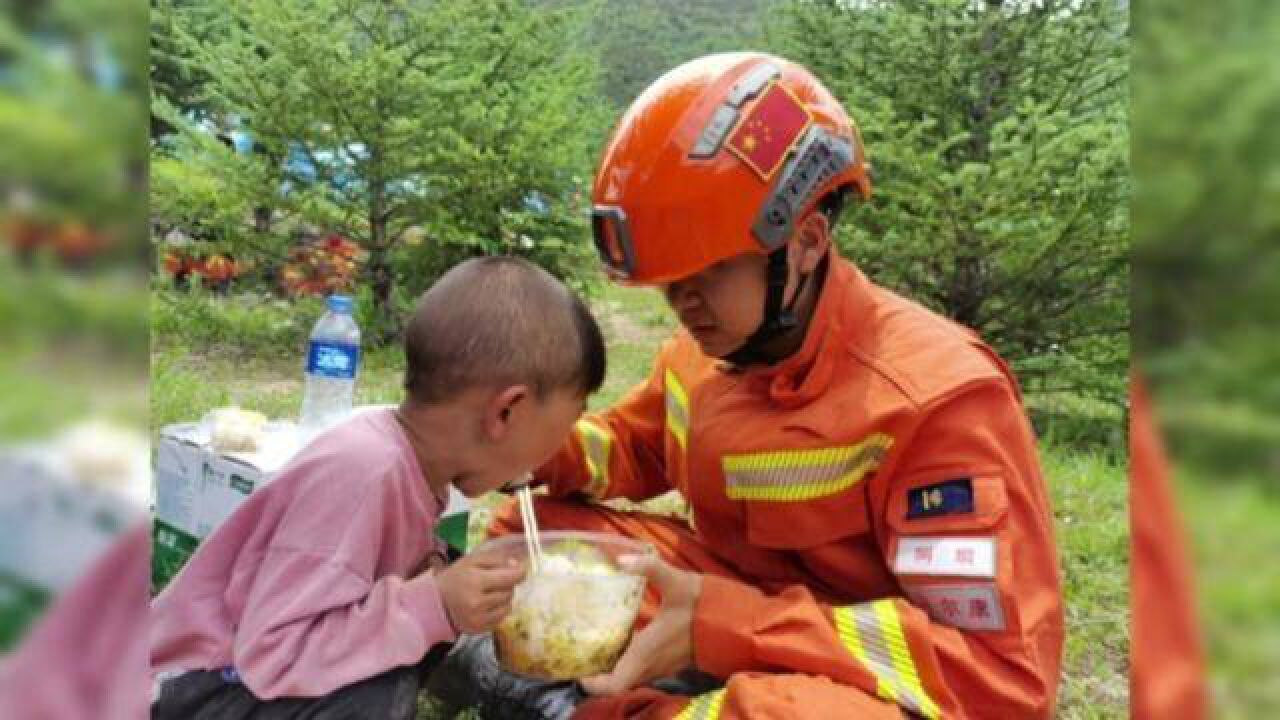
500 321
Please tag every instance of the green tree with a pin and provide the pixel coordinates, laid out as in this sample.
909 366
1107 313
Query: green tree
72 147
174 73
458 121
997 130
1206 257
642 39
1205 156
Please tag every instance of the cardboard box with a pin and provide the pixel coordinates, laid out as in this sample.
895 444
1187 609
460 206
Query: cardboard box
197 488
54 529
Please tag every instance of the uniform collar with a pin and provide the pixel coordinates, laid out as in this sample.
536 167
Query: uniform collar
841 312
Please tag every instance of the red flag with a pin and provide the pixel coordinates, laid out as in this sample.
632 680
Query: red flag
774 124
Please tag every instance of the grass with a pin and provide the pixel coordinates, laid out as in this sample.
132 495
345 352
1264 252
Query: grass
1090 501
197 369
185 385
1225 446
52 385
635 322
1235 542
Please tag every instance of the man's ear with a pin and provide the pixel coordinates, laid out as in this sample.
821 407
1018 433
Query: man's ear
807 247
501 409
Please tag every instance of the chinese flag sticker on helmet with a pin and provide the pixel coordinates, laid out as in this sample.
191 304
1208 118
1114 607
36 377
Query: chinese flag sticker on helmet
770 129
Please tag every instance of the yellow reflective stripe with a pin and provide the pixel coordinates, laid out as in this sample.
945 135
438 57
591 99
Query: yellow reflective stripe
704 707
805 458
896 640
673 385
595 448
847 629
792 476
677 409
872 632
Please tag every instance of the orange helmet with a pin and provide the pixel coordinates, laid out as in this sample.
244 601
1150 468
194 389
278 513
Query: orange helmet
719 157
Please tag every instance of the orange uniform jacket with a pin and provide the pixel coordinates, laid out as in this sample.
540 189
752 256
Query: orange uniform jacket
1167 678
879 489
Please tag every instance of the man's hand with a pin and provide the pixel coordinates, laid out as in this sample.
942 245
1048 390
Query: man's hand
665 646
476 590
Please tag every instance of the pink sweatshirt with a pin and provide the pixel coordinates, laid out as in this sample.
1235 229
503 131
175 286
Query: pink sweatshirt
86 658
316 581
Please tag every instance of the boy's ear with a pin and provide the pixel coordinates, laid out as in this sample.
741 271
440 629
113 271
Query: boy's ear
501 409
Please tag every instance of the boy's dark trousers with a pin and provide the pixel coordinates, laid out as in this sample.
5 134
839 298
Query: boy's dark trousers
219 695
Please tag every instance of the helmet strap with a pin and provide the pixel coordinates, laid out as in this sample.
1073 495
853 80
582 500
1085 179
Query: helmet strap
778 320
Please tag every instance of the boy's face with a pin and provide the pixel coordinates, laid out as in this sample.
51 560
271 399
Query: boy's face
723 305
533 429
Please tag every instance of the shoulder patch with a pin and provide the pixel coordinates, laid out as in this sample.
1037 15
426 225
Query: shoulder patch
950 497
968 607
962 556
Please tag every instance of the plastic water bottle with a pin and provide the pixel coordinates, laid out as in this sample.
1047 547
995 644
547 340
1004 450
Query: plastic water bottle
333 358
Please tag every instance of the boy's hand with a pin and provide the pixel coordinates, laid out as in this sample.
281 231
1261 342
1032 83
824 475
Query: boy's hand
477 589
665 646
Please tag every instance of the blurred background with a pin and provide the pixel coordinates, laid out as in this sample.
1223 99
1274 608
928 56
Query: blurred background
73 200
74 257
1206 301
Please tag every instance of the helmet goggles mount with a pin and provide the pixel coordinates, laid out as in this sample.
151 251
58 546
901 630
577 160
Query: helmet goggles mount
612 236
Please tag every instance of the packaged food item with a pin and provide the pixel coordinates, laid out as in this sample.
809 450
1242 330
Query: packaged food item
234 430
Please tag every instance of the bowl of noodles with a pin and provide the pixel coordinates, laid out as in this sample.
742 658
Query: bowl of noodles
572 615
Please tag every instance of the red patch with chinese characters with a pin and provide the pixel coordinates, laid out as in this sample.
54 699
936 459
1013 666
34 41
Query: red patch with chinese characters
956 556
968 607
769 130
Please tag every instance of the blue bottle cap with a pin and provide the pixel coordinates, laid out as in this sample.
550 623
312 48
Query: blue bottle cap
340 304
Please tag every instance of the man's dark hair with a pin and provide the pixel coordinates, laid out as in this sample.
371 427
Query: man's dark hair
832 205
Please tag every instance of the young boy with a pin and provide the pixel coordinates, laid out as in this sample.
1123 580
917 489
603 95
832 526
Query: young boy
325 590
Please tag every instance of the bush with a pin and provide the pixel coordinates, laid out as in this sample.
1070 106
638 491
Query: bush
256 324
73 344
42 304
1082 424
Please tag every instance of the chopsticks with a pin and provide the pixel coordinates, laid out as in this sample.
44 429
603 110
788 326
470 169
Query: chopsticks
531 541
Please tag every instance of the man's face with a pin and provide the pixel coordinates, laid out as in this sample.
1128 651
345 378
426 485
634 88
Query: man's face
722 305
538 427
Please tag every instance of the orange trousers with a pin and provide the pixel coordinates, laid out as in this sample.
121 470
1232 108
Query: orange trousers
757 696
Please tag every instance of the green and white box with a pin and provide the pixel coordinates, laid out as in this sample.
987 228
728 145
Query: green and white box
197 488
54 528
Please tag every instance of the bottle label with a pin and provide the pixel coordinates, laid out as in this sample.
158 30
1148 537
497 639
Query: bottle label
333 360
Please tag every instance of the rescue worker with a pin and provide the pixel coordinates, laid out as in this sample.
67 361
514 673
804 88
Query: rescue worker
869 534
